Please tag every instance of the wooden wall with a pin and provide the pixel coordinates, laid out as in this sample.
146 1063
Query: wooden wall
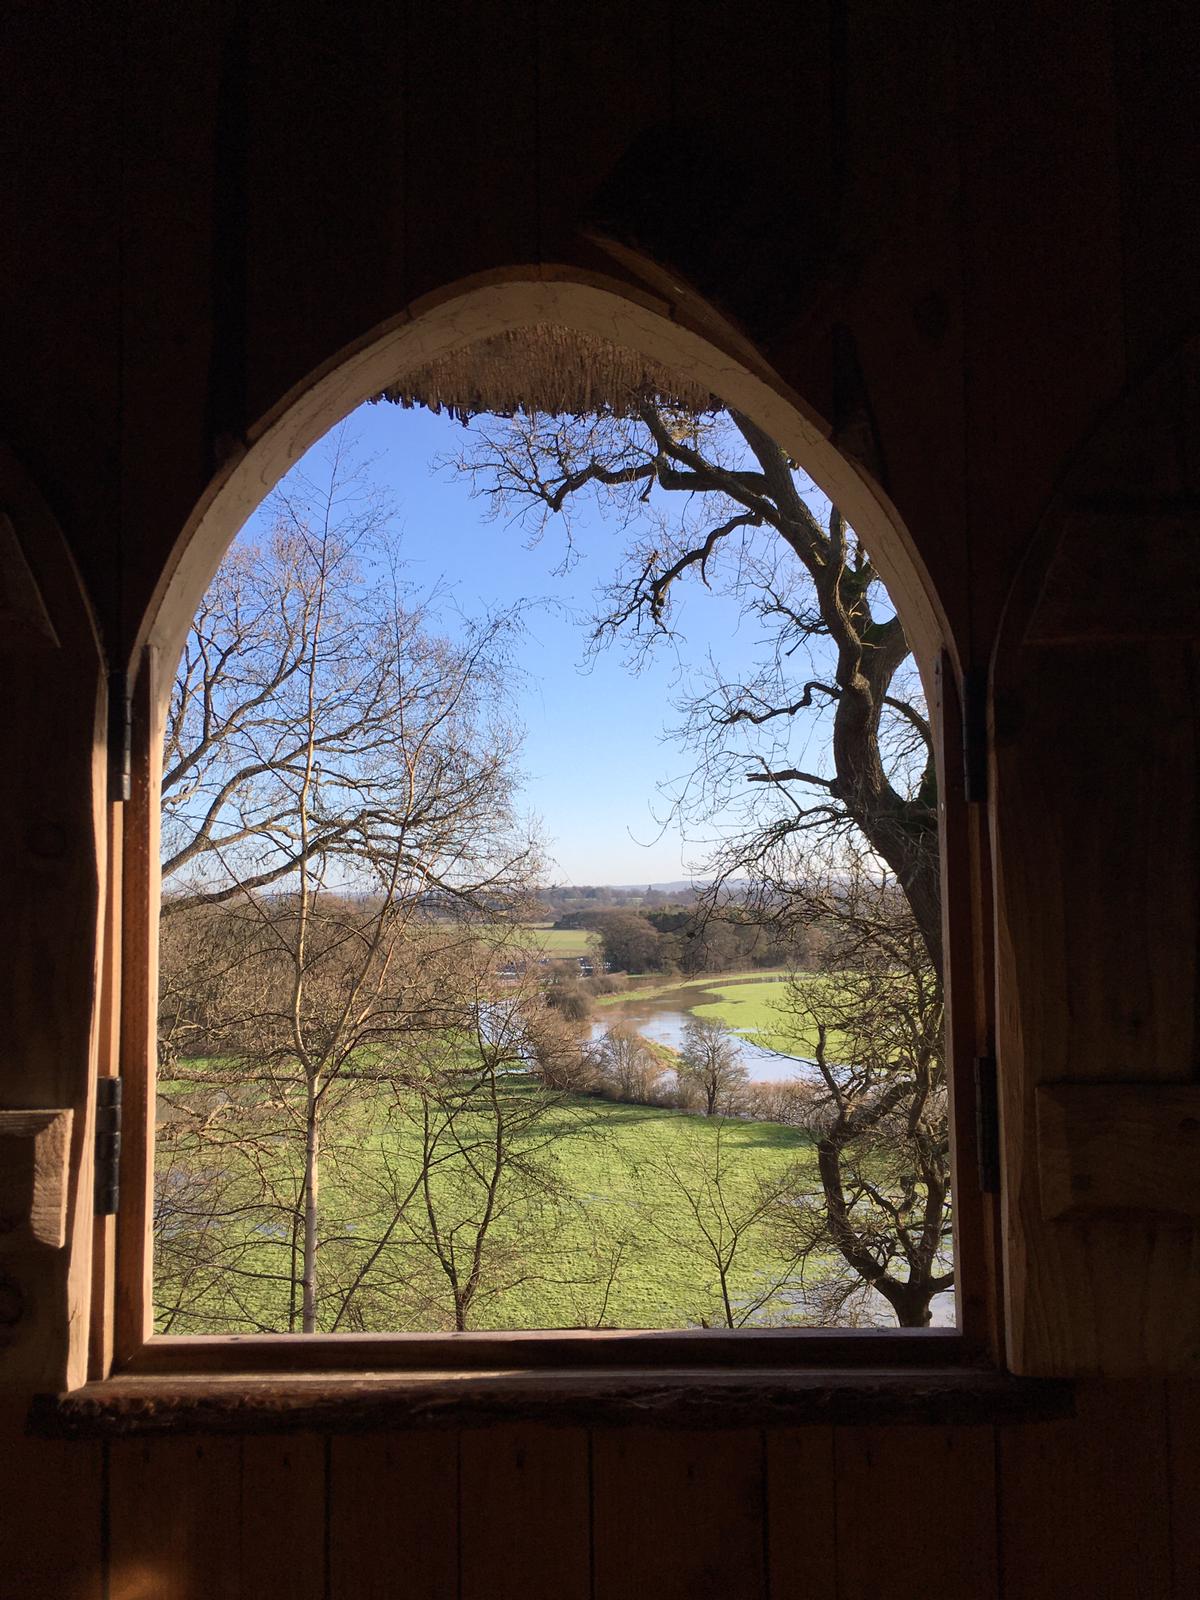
995 212
1103 1507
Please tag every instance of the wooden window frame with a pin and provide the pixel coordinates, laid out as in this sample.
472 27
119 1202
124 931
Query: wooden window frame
125 1346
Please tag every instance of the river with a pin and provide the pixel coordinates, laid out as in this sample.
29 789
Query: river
662 1020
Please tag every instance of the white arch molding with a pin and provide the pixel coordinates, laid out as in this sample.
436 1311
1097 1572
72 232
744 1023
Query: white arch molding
702 347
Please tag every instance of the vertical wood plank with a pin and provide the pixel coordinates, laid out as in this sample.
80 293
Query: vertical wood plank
141 893
916 1514
678 1516
1037 114
1084 1503
174 1507
53 710
104 1229
525 1514
323 213
393 1517
801 1514
1094 723
967 968
470 202
594 99
1183 1439
50 1510
1155 66
283 1518
175 269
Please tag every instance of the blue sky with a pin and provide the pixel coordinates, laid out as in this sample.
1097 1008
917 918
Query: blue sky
595 749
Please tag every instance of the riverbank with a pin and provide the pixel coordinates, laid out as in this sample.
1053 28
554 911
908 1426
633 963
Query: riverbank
757 1006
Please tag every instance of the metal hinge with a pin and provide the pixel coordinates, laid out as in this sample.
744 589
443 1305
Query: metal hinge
975 734
108 1147
987 1124
120 738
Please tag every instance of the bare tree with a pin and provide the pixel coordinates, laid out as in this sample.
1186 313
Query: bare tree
711 498
719 1220
320 716
490 1194
823 751
710 1065
879 1117
343 776
627 1067
437 1177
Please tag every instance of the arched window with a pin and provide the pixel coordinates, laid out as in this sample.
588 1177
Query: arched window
684 412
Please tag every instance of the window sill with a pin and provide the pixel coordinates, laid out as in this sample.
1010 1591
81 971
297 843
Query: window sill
685 1397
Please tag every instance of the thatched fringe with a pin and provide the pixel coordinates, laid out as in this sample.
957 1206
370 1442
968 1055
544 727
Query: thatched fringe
545 369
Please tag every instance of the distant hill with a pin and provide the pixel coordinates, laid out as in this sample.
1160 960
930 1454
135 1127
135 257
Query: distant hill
674 886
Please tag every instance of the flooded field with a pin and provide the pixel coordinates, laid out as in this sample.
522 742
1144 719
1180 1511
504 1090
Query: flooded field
663 1017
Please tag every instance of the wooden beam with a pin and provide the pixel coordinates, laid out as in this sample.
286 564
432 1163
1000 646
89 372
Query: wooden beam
24 620
692 1397
35 1149
1119 1147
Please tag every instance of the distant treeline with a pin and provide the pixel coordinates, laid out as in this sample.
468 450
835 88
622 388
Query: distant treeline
562 902
687 938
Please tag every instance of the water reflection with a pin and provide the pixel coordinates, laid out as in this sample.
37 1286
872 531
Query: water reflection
662 1022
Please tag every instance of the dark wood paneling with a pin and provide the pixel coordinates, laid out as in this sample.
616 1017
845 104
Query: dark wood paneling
1119 1147
322 169
679 1516
916 1514
393 1517
1156 55
801 1526
53 711
50 1515
177 345
61 269
526 1514
174 1512
283 1544
470 198
1095 788
588 115
1084 1504
1100 864
1105 1507
1041 274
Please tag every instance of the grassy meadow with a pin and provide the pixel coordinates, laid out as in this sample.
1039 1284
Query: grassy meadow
609 1230
760 1011
612 1239
563 941
557 943
654 988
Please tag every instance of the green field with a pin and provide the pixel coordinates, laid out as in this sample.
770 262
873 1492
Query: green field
665 988
554 942
760 1011
618 1244
563 941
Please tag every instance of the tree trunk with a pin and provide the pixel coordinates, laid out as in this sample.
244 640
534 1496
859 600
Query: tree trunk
911 1303
312 1172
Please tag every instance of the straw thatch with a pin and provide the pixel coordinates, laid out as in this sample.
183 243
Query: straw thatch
545 369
